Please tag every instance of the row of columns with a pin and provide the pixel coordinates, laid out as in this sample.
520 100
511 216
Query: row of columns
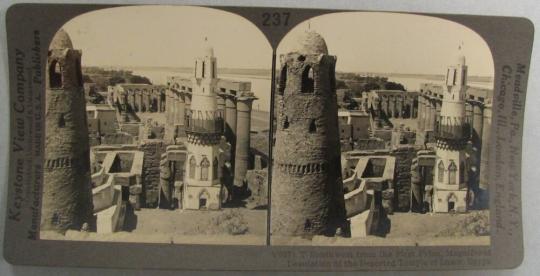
178 104
428 111
237 116
140 102
398 106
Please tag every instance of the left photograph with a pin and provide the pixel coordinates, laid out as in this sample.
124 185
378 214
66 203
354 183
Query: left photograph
156 128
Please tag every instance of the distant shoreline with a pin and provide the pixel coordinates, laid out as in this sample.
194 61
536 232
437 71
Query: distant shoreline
266 73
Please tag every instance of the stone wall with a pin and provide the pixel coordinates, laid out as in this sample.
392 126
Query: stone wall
257 182
151 169
119 138
369 144
132 129
402 180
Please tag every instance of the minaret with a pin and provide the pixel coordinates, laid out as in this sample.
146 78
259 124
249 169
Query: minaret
452 133
204 128
67 192
307 189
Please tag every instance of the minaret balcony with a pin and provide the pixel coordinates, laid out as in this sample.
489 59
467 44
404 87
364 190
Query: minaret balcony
453 132
204 126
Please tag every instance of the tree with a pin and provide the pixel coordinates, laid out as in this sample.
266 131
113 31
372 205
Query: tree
87 79
394 86
371 86
115 80
139 79
341 84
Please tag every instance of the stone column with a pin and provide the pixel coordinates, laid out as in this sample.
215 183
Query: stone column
187 101
478 121
438 106
220 100
399 106
243 128
428 119
414 109
181 109
484 157
384 105
230 123
468 112
139 100
173 105
148 101
158 100
421 113
391 106
168 107
221 107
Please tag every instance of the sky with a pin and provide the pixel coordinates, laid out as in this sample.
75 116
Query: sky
395 43
167 36
362 41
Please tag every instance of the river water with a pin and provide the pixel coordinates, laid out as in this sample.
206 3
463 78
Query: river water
261 85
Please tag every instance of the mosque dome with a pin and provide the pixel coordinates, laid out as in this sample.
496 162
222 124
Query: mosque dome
310 42
61 40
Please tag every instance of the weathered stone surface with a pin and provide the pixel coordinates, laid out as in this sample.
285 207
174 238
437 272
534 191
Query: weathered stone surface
67 196
404 156
119 138
307 190
257 182
152 155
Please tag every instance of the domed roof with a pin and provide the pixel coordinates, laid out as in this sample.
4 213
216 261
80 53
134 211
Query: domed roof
310 42
61 40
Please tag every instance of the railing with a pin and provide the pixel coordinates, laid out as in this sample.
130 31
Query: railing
209 126
453 128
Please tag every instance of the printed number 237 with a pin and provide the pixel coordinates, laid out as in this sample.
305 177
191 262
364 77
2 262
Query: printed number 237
276 18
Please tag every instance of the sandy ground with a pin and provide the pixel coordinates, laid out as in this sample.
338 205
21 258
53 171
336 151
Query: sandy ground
185 227
407 229
177 227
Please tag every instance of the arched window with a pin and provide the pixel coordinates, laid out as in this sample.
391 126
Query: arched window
282 80
205 164
215 167
307 80
440 175
192 167
286 123
452 168
312 126
61 120
55 74
203 65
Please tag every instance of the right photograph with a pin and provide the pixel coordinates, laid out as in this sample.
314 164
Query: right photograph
380 121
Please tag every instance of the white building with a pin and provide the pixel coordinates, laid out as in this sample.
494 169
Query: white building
204 128
452 133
